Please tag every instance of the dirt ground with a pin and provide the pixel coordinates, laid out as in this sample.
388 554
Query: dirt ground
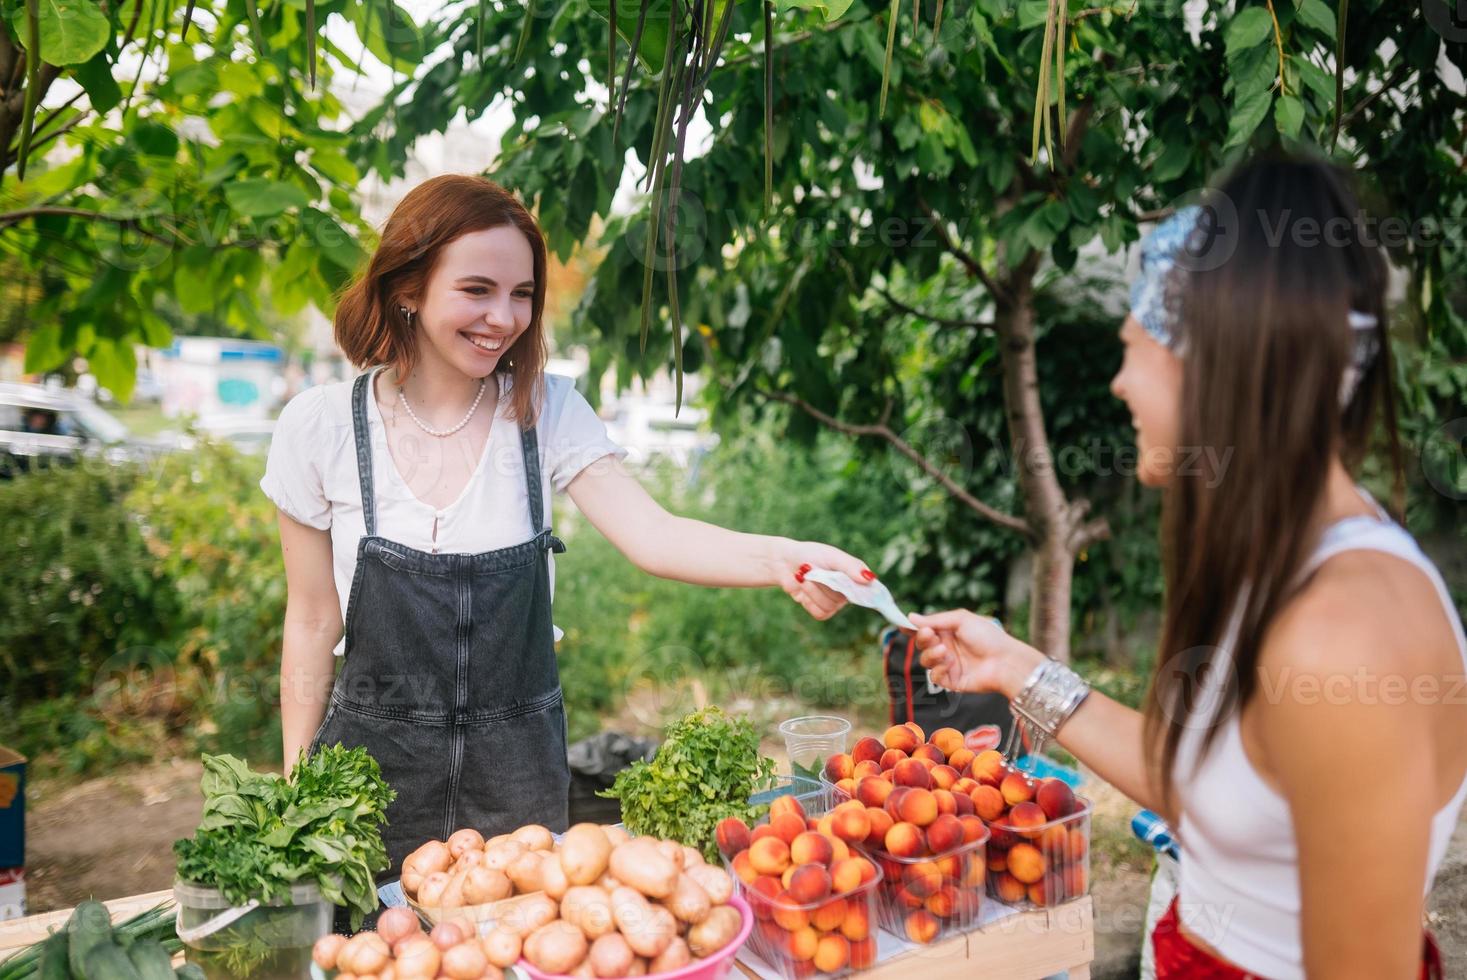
111 837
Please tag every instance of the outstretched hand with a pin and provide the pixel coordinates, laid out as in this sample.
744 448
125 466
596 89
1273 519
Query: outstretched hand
968 652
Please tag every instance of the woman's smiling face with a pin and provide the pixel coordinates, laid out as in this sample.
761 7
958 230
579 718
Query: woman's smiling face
1150 383
479 300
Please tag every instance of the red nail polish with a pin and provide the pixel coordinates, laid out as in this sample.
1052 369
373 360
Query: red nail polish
868 574
804 569
800 577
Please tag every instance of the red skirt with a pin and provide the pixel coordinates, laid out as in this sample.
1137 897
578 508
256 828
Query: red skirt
1177 957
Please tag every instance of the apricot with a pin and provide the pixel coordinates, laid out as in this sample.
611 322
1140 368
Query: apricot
847 786
931 753
856 926
923 878
786 804
811 848
1054 841
966 785
833 953
828 917
873 790
905 840
1079 843
1056 798
911 772
891 757
967 903
840 850
918 806
1025 819
769 856
1026 863
863 954
921 926
881 822
1077 881
853 826
784 879
867 749
1016 788
945 833
732 835
905 898
826 825
802 943
997 859
1038 894
916 730
943 902
988 803
925 763
743 867
849 805
950 740
865 769
961 759
951 865
894 801
1008 888
787 826
809 883
946 802
973 829
763 891
988 767
839 766
788 913
963 805
845 876
901 737
944 777
974 873
763 830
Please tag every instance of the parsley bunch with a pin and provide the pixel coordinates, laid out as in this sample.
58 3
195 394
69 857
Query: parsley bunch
261 834
706 769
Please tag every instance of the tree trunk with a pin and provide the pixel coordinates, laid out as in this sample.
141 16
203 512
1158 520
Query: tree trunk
1049 600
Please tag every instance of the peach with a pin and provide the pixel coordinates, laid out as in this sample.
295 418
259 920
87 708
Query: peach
786 804
923 878
891 757
881 822
769 856
945 833
853 826
732 835
901 737
1008 888
849 805
787 826
863 954
905 898
943 903
911 772
743 867
944 777
960 759
1038 894
925 763
905 840
873 791
839 766
847 787
1016 788
974 873
833 953
1056 798
787 913
973 828
997 859
963 805
809 883
826 825
921 926
763 830
784 879
867 749
1079 843
951 865
811 848
966 785
1055 842
946 802
811 823
828 917
894 800
988 803
1076 879
1026 863
999 836
839 849
1025 819
865 768
763 892
950 740
967 903
845 876
856 926
988 767
916 730
931 753
802 943
918 806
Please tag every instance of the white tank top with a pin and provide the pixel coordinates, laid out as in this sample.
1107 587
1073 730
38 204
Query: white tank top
1239 887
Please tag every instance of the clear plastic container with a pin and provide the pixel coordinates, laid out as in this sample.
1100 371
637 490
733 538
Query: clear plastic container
833 937
810 740
926 898
1043 864
812 794
264 942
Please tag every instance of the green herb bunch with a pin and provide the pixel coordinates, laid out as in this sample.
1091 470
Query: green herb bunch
706 769
261 834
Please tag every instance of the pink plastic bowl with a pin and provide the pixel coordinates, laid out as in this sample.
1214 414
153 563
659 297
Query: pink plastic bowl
715 967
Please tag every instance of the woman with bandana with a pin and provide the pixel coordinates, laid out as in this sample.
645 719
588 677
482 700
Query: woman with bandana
1306 727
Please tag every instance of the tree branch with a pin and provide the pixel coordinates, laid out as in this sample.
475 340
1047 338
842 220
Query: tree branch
973 266
922 315
9 218
884 432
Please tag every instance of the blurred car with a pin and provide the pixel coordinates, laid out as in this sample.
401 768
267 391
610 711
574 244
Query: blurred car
250 436
41 426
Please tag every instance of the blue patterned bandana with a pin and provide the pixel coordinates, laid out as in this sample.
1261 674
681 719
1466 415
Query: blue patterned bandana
1158 258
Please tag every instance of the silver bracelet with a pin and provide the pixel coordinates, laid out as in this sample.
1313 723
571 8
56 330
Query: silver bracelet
1051 694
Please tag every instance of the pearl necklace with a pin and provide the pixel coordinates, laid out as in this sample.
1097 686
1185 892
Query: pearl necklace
442 433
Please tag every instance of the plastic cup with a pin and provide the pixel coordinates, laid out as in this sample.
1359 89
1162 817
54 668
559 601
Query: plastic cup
814 738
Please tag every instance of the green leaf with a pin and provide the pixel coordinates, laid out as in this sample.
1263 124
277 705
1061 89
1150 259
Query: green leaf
155 139
1316 79
45 352
95 75
72 31
1173 161
1246 116
262 198
1248 29
1316 14
653 46
115 366
1288 115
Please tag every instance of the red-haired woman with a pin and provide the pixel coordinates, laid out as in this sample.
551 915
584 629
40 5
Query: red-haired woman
1306 720
415 524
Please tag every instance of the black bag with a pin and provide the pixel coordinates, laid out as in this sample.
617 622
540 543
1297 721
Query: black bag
913 697
594 763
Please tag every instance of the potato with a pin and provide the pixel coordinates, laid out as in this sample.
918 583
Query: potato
430 893
466 961
674 957
500 856
639 967
609 882
552 875
534 837
430 857
411 881
644 867
502 947
688 901
692 856
453 893
584 852
589 908
468 859
525 873
496 839
486 885
716 931
417 957
617 835
525 914
714 881
673 851
649 929
556 947
584 970
467 839
611 956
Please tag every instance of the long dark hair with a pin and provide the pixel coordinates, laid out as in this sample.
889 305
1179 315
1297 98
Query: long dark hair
1263 320
370 328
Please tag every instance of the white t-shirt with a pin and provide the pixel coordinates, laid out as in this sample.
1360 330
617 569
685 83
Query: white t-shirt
311 475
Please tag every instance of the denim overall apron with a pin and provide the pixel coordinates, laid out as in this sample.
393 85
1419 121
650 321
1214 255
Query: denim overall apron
449 677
